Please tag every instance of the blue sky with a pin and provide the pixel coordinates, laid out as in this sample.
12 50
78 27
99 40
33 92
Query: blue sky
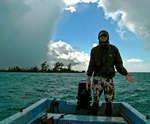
33 31
80 29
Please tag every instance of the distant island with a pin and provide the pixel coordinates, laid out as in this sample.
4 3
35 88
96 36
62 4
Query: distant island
58 68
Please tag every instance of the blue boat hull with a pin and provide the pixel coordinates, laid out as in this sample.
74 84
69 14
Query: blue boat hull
59 112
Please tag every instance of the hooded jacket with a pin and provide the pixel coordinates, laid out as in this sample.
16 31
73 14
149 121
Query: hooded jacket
104 59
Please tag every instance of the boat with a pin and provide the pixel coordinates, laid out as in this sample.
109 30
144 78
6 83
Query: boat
46 111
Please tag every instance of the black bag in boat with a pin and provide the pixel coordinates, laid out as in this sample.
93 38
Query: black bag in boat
84 96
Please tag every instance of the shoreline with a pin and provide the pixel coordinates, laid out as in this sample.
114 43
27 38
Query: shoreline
40 72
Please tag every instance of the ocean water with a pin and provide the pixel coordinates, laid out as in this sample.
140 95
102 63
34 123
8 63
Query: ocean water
19 90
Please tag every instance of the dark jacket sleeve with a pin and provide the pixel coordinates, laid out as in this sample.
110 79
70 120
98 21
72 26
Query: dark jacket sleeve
119 64
91 64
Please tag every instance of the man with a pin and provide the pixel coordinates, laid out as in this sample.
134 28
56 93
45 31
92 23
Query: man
104 58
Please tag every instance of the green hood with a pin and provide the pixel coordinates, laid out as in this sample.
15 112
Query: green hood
103 32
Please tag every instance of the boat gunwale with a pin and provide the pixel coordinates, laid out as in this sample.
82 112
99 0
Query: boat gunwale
43 105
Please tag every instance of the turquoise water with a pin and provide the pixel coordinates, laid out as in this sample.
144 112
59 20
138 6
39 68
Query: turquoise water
19 90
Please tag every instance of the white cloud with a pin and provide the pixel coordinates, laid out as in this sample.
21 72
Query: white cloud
122 33
134 60
71 9
65 53
95 44
89 1
74 2
137 67
71 3
133 15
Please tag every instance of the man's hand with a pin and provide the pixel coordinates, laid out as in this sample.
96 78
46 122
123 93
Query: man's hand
88 83
130 78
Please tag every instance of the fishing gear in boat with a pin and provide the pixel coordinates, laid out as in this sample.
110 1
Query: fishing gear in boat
54 106
84 96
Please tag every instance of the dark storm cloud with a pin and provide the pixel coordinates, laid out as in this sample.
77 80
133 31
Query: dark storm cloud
26 26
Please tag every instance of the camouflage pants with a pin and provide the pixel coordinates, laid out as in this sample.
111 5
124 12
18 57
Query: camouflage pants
101 84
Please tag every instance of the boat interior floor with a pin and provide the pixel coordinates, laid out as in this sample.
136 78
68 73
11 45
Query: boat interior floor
85 119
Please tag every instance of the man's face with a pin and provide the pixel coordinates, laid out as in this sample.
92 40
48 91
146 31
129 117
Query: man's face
103 38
